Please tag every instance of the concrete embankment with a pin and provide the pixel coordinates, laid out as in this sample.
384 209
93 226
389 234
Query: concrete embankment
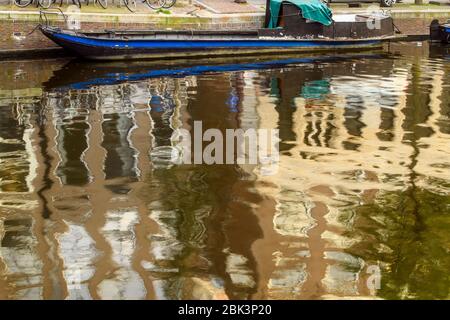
17 25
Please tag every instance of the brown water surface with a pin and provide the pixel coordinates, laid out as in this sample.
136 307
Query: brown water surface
90 208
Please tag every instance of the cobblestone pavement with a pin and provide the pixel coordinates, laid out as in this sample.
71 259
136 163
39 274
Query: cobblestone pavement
229 6
262 2
187 6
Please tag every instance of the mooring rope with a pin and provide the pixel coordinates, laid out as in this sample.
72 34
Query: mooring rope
34 29
396 28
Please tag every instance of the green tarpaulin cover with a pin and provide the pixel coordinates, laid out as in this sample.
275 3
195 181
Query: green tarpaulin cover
314 10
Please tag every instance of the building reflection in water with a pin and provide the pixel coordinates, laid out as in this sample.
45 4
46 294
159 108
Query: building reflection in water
91 209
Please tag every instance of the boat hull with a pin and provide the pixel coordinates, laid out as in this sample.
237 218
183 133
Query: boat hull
446 33
440 32
96 48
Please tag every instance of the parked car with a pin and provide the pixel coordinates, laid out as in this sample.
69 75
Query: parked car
383 3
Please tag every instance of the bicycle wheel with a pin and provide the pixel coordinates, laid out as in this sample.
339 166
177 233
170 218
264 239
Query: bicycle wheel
103 3
23 3
130 4
169 4
155 4
45 3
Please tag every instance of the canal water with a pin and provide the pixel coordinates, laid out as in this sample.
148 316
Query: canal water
359 207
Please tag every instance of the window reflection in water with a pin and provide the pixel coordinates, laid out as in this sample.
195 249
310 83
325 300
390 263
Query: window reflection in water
86 212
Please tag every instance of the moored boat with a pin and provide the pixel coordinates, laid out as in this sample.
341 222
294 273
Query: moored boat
291 26
440 32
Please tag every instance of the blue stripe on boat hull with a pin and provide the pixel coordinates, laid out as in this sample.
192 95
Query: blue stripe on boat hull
205 44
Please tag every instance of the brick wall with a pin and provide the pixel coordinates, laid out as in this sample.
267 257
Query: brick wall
14 33
416 26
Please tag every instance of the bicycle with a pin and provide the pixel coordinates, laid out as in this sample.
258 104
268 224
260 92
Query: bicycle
75 2
169 4
23 3
45 4
130 4
102 3
155 4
